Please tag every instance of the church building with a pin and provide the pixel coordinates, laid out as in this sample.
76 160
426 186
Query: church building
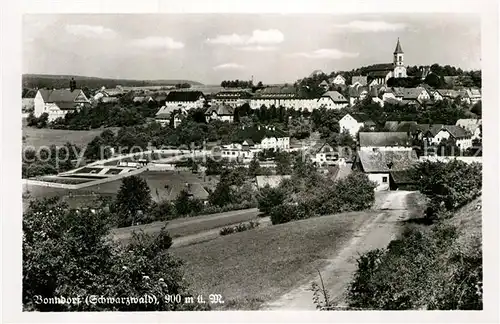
380 73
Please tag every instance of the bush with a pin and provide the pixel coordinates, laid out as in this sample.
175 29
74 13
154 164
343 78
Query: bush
421 270
268 197
227 231
286 212
448 185
239 228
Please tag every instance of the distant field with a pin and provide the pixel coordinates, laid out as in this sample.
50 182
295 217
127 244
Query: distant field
259 265
38 137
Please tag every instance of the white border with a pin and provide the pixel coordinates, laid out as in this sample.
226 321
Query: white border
11 152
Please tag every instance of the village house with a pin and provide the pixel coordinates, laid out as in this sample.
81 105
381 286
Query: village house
164 115
232 98
239 152
434 134
58 102
339 80
185 99
324 85
388 169
357 93
352 124
332 100
323 155
102 93
448 94
472 96
384 141
222 112
264 137
362 80
418 94
471 125
287 97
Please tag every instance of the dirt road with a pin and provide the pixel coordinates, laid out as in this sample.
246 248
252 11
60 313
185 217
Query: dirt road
375 233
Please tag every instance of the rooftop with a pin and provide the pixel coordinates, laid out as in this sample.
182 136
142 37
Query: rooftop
386 161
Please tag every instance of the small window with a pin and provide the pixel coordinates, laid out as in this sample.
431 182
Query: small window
384 179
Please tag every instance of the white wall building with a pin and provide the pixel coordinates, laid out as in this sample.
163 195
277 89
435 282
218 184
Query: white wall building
58 102
332 100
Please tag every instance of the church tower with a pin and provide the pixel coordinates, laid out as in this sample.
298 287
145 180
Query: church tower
399 68
398 55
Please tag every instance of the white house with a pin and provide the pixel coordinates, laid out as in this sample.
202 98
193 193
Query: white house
58 102
339 80
472 96
222 112
436 133
185 99
352 124
419 94
286 97
332 100
385 167
164 115
324 154
471 125
264 137
232 98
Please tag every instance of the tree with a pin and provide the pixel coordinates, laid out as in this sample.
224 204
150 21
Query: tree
182 203
254 168
268 197
31 120
67 253
42 121
434 80
477 108
283 163
133 198
222 195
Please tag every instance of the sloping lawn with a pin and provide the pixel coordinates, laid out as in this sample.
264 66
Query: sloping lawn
45 137
259 265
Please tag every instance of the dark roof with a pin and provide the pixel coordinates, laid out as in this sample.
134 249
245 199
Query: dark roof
322 146
60 95
166 111
384 139
408 93
278 92
220 110
355 91
257 133
380 67
335 96
407 126
398 49
457 131
386 161
363 80
448 93
380 74
361 117
184 95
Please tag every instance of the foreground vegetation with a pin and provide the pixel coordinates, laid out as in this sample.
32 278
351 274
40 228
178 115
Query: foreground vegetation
308 194
438 266
66 253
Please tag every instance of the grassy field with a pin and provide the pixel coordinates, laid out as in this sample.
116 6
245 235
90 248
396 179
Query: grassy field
259 265
189 225
39 137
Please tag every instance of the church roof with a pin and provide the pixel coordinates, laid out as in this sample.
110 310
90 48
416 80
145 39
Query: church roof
398 49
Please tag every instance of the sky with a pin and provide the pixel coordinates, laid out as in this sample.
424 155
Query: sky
272 48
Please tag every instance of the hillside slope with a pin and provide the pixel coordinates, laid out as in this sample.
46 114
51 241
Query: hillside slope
58 81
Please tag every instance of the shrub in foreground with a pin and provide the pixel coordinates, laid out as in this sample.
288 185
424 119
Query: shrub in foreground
424 269
239 228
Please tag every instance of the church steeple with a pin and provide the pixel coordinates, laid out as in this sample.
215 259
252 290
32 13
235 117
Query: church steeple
398 55
398 49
